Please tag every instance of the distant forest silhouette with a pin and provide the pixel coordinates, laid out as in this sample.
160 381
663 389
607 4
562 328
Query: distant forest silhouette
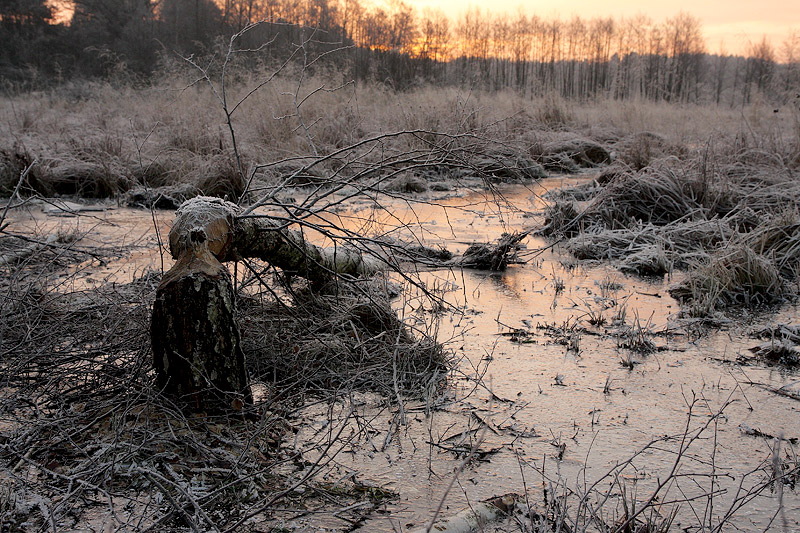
630 58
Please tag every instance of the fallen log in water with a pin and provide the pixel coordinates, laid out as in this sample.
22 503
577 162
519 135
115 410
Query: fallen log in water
20 254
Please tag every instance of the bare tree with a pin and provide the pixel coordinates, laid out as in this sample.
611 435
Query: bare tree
760 67
685 42
185 22
122 30
790 50
520 48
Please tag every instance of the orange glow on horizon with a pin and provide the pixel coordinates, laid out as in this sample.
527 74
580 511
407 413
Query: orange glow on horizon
62 11
729 26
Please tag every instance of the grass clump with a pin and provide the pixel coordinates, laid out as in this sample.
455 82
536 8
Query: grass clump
638 337
648 261
733 276
504 166
642 149
85 178
560 218
778 352
782 346
779 239
658 196
734 227
676 243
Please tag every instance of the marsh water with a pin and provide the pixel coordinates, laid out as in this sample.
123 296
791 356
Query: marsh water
550 390
565 400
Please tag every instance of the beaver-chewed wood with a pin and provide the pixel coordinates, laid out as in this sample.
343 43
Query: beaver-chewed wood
194 333
196 345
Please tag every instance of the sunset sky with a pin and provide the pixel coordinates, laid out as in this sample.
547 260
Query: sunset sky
728 25
732 23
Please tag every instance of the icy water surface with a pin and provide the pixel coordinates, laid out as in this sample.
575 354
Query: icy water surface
547 393
564 400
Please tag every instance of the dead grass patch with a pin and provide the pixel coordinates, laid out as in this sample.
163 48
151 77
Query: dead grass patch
82 426
660 196
736 232
733 276
352 340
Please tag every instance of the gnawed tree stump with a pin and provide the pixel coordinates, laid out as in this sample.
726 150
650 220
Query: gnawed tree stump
194 333
195 338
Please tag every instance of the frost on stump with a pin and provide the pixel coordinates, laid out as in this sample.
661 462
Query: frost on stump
196 344
196 349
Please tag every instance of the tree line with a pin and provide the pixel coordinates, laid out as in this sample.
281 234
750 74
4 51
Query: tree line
627 58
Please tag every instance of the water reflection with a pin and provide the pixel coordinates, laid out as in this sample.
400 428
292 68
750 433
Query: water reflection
561 399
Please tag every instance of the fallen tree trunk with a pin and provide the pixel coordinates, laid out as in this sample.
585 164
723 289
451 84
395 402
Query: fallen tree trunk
195 338
262 238
286 249
23 253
